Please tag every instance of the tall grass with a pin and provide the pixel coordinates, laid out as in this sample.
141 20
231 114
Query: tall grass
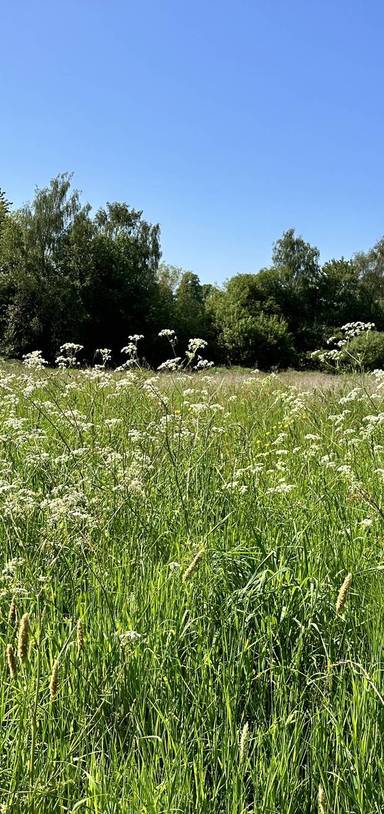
173 553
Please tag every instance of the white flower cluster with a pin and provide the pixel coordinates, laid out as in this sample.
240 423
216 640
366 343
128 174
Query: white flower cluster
351 329
196 344
105 354
68 354
170 364
34 360
168 333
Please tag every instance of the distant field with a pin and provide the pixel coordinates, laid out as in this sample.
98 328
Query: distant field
173 634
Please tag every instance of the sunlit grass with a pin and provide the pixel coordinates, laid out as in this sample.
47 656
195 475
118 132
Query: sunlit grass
179 544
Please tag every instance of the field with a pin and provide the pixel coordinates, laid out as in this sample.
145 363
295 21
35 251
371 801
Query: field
173 634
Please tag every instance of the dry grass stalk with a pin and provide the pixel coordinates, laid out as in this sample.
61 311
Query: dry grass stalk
244 742
12 612
11 661
54 681
80 634
343 593
193 565
321 800
23 638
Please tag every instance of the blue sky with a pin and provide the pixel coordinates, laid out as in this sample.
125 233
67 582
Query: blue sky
225 122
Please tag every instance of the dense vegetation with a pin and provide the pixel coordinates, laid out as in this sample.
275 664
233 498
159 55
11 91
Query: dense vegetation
69 275
174 634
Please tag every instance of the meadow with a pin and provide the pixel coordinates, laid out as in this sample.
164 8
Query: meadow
191 597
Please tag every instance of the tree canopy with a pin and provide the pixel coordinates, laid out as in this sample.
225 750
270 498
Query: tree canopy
68 274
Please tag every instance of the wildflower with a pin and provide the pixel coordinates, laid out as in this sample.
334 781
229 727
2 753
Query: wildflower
67 356
54 681
105 354
244 742
343 593
11 661
195 344
168 333
23 638
136 487
174 566
34 360
129 637
170 364
193 565
202 364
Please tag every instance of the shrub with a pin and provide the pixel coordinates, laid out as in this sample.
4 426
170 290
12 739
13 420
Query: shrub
262 340
365 351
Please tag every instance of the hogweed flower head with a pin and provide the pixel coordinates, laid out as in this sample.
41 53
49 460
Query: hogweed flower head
343 593
129 637
105 354
68 353
34 360
170 364
168 333
23 638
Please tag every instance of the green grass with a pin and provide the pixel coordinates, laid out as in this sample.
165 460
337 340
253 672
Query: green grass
109 486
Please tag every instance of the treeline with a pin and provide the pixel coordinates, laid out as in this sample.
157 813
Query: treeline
69 275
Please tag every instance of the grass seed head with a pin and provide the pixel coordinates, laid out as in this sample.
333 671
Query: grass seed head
244 742
11 661
23 638
193 565
54 681
12 612
321 801
343 593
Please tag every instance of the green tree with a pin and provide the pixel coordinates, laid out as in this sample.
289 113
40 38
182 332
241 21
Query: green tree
370 270
247 334
190 312
67 276
121 295
298 257
4 206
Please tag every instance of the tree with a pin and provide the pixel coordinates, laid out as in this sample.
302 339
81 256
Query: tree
4 206
370 270
246 333
121 295
298 257
39 297
190 314
67 276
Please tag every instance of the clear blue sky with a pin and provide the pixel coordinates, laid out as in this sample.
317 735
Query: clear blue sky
226 122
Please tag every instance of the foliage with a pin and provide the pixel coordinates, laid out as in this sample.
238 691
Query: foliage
261 341
182 549
4 206
299 258
248 334
68 274
65 274
353 346
365 351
